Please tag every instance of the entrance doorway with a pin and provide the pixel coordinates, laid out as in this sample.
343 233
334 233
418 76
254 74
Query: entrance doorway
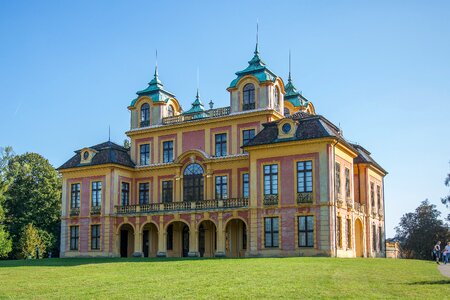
177 239
236 238
149 240
207 239
359 239
126 240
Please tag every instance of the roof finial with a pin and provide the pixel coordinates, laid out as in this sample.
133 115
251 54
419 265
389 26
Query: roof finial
198 81
257 37
109 133
156 64
197 96
289 79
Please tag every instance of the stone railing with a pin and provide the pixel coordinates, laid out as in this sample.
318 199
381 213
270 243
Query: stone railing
96 210
349 203
270 199
182 206
374 211
215 112
305 198
75 211
359 207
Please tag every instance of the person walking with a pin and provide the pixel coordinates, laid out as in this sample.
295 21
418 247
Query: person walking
446 253
437 251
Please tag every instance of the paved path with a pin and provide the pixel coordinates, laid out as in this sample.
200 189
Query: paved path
445 269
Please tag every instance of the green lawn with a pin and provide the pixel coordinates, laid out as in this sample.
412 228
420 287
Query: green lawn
222 278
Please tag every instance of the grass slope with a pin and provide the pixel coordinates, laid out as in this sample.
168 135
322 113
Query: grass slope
222 278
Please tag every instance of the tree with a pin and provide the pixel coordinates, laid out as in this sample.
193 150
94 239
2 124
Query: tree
30 241
5 241
446 199
418 231
33 197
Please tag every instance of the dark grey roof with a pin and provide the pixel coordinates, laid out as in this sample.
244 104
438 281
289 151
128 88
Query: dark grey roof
107 153
365 158
309 127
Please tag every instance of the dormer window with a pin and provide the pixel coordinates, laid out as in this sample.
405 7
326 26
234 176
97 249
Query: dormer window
170 111
248 97
145 115
287 112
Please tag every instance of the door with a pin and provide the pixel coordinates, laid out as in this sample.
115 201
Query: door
124 243
185 241
201 240
145 242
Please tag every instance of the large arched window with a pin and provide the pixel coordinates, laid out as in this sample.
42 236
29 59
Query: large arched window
170 111
248 97
193 183
145 115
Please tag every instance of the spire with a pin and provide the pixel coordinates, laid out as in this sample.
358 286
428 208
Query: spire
156 65
289 78
257 38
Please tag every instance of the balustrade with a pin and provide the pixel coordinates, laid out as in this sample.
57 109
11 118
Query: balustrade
304 198
270 199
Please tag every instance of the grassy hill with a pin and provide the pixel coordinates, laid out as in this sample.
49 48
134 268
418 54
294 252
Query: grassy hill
222 278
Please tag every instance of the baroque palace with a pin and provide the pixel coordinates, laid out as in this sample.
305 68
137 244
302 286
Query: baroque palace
265 176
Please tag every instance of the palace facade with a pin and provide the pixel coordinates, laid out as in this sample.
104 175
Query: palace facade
265 176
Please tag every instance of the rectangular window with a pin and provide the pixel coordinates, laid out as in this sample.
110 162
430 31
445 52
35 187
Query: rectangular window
168 151
380 238
144 151
74 237
339 232
75 195
347 182
247 135
271 180
372 194
221 187
337 178
374 238
349 234
379 196
125 195
221 144
96 193
167 191
271 232
95 237
306 231
144 193
304 177
245 185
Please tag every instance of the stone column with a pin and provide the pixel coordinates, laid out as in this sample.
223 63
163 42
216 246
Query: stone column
193 238
220 251
137 239
162 239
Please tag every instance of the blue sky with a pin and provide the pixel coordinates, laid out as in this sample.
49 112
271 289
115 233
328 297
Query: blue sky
380 69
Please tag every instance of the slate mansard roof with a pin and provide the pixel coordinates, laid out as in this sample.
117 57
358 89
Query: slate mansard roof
309 127
107 153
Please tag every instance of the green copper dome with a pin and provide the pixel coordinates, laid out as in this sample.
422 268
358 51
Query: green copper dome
257 68
155 90
197 109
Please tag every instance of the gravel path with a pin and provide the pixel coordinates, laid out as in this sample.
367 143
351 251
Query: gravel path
444 269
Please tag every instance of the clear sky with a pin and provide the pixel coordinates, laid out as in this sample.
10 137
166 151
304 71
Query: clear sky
380 69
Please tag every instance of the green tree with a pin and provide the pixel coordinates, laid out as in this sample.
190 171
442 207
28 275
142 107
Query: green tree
33 197
5 241
418 231
446 199
30 240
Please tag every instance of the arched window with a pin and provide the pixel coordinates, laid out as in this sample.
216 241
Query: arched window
193 183
248 97
145 115
287 113
170 111
276 98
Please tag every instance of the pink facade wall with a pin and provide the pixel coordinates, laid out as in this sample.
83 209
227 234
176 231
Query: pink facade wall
193 140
